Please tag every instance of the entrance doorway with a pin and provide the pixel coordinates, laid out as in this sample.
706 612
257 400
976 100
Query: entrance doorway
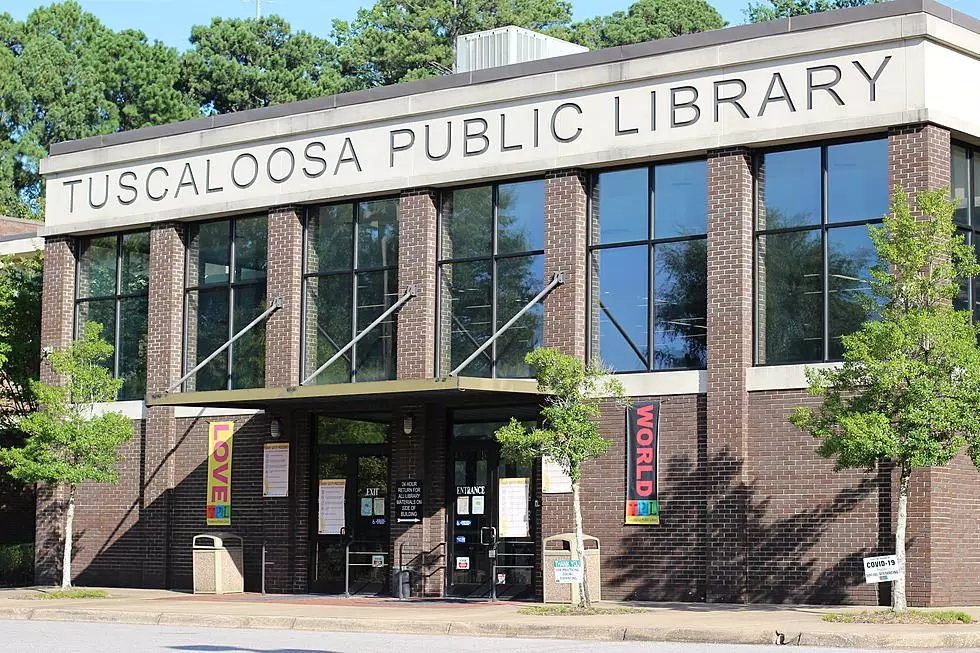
350 505
493 517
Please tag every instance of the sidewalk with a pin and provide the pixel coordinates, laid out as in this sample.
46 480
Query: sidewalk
674 622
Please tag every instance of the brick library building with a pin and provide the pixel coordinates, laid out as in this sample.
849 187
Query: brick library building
321 312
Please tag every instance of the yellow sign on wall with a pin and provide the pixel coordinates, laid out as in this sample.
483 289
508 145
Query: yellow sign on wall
219 473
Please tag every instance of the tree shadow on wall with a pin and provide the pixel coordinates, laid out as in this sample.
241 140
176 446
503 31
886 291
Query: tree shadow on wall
769 556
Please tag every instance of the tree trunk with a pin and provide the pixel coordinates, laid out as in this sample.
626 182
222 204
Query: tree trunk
69 522
898 587
584 599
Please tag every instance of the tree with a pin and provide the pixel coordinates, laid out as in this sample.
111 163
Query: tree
66 443
20 330
773 9
400 40
908 389
63 76
645 20
239 64
570 434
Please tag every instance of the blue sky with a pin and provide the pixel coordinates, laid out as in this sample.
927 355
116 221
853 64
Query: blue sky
170 20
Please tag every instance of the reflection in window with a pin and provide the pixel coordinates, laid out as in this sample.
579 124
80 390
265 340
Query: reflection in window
966 174
350 279
491 264
226 272
813 252
641 247
113 279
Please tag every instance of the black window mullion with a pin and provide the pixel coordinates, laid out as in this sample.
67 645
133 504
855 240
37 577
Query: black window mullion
355 224
495 198
118 302
825 249
232 263
651 257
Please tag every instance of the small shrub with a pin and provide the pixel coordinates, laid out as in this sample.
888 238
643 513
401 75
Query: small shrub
900 617
16 564
74 593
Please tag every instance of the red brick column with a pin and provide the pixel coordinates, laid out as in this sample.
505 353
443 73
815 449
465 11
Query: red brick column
417 217
163 367
285 279
729 357
565 227
57 317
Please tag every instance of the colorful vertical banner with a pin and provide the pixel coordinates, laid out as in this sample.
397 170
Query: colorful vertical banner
219 473
642 454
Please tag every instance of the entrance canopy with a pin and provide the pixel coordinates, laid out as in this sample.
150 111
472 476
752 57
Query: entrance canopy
380 394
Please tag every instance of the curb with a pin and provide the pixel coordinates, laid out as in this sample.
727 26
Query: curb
947 640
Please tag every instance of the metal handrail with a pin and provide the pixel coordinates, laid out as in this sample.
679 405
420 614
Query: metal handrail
348 564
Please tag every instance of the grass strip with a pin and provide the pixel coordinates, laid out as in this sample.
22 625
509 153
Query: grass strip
74 593
574 611
906 617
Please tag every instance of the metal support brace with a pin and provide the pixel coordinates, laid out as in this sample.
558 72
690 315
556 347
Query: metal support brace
556 280
276 304
409 293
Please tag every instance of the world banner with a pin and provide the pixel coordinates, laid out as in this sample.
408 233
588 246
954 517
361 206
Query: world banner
642 454
219 473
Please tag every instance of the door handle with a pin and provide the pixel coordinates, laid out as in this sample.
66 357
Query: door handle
488 535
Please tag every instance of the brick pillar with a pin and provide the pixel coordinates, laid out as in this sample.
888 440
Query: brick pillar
407 463
285 279
163 367
300 492
57 318
565 226
434 500
729 357
918 160
417 217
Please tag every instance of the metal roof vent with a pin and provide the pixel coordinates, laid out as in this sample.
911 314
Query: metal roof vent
507 45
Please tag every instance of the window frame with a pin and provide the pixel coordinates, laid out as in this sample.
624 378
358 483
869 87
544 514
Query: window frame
651 242
117 297
230 285
824 226
492 258
353 272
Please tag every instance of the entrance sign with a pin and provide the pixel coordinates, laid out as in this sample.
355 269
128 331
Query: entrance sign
554 480
568 571
275 469
219 473
642 455
881 569
408 502
513 514
331 508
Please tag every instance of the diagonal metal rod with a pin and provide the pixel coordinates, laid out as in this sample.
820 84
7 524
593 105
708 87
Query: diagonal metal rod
556 280
409 293
276 304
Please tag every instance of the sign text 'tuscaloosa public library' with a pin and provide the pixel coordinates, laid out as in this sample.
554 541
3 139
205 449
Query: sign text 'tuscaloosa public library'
628 117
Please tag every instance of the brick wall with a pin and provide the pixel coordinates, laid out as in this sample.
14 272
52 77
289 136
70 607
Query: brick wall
729 357
565 225
17 227
285 277
416 343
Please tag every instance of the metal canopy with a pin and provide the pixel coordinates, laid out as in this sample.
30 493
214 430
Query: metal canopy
450 389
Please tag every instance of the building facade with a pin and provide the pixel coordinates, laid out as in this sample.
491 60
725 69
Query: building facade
692 212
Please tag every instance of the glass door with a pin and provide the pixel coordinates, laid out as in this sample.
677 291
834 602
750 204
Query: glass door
493 519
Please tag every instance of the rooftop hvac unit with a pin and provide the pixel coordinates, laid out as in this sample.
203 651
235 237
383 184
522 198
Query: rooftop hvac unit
507 45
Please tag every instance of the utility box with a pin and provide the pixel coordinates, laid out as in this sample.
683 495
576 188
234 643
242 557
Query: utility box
562 548
218 564
507 45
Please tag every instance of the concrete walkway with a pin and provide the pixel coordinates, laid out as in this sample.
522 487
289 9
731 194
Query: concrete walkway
674 622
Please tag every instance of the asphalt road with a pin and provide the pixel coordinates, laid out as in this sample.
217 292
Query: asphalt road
64 637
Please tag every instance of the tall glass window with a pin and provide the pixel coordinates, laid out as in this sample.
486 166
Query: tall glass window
491 264
966 175
649 239
350 279
813 252
113 280
226 272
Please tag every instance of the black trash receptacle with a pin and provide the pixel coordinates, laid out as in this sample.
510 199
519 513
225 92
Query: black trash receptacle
404 581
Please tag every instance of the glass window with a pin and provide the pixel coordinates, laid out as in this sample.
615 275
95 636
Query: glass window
491 264
350 280
814 255
639 250
226 290
113 282
966 172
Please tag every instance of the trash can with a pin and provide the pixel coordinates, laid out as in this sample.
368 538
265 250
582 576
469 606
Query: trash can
218 564
562 547
403 581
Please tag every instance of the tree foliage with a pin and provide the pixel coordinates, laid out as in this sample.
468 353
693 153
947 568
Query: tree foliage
908 389
645 20
239 64
773 9
20 330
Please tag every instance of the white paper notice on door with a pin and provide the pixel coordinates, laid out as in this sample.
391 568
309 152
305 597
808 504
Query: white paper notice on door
275 469
331 511
512 513
463 505
554 480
